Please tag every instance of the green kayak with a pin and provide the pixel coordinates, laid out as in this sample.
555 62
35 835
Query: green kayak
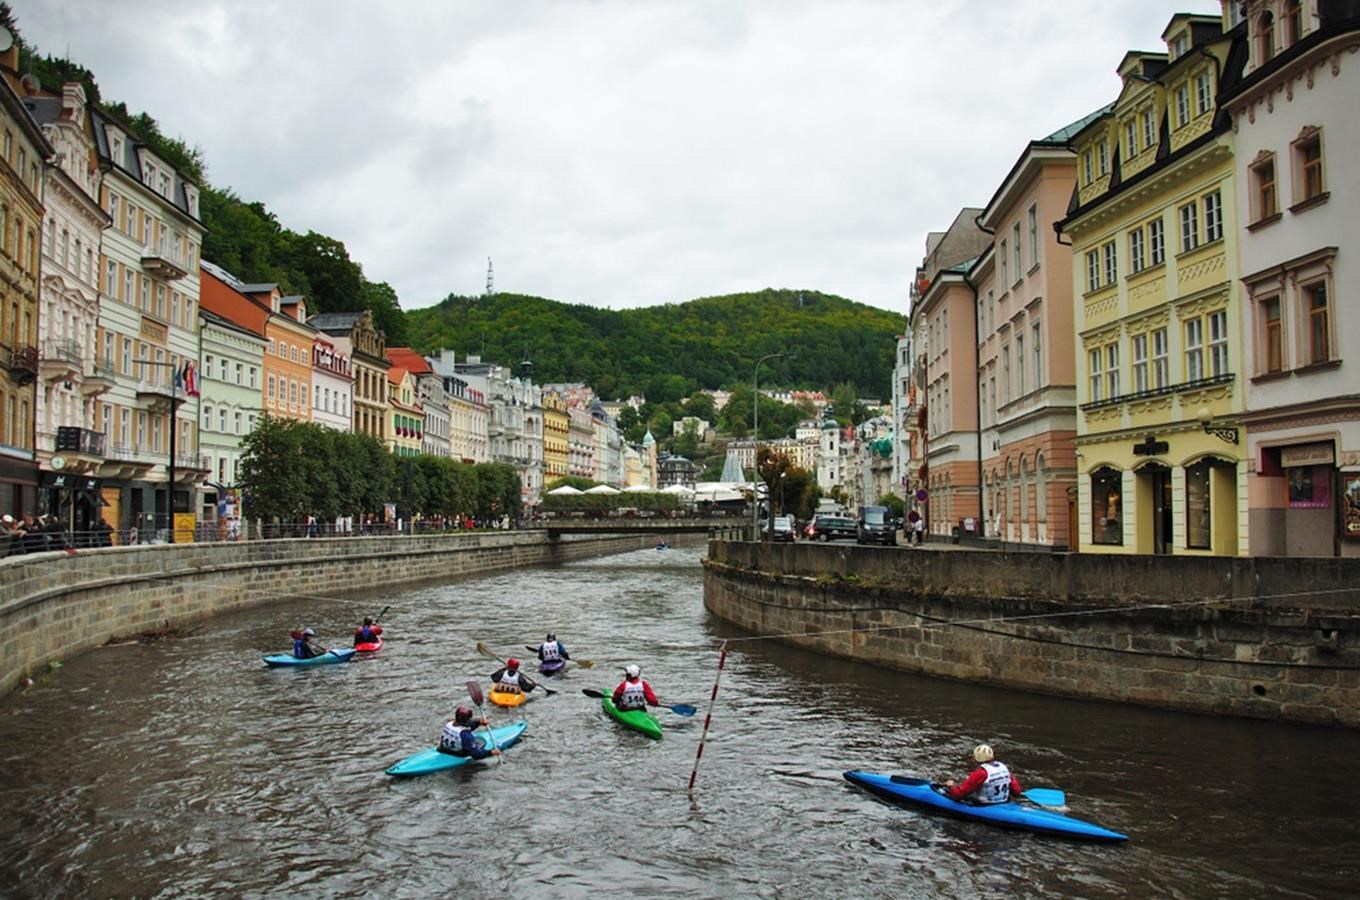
636 719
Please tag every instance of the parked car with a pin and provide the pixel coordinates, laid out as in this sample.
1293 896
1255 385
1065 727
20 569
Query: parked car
830 528
876 525
783 529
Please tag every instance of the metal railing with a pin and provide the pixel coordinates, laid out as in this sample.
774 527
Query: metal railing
66 351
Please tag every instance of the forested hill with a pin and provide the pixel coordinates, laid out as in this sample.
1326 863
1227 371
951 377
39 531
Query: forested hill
667 351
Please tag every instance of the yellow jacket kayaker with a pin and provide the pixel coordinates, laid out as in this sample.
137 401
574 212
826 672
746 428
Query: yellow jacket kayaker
510 680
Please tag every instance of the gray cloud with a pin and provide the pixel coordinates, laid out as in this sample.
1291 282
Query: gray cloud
613 153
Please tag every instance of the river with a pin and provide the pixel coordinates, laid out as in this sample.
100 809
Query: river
187 768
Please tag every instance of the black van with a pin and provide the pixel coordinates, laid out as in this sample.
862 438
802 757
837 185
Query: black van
877 526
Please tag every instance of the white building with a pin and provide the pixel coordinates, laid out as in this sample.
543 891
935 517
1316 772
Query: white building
332 385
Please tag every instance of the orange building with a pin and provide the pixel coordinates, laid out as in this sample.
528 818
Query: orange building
286 387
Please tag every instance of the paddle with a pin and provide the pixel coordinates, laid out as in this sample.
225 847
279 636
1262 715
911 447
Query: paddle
486 651
583 663
475 692
680 709
1045 796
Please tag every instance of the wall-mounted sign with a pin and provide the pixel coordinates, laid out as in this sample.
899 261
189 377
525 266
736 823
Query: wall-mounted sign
1319 454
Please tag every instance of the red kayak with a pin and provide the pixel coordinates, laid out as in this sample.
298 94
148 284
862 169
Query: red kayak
369 647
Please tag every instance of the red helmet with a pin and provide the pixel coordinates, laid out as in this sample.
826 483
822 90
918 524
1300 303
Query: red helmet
512 663
463 714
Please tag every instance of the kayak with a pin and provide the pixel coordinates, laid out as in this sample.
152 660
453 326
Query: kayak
920 792
369 647
636 719
552 666
505 698
338 655
427 761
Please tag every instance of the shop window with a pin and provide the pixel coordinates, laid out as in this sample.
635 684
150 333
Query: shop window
1106 527
1197 509
1310 487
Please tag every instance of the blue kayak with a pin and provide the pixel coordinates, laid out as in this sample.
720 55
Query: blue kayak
427 761
339 655
920 792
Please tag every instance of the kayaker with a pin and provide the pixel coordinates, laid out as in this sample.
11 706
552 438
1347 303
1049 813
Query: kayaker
367 633
552 649
991 782
510 680
305 647
459 737
633 692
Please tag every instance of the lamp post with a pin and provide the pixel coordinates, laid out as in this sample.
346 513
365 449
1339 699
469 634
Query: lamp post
170 466
755 437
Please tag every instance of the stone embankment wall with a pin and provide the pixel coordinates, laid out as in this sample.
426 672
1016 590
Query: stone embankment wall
53 606
1265 638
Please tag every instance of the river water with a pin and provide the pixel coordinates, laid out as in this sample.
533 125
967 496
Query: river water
187 768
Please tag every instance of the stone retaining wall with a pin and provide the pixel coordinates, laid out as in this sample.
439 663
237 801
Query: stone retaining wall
53 606
1280 641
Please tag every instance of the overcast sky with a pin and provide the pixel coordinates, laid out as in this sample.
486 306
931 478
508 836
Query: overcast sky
613 153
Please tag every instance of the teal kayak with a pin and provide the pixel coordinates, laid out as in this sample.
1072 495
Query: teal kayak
636 719
427 761
339 655
919 792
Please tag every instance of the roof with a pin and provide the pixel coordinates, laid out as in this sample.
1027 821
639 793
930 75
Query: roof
334 323
409 360
396 374
1067 132
128 160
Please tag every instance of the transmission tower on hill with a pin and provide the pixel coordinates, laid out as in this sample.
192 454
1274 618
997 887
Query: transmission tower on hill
490 278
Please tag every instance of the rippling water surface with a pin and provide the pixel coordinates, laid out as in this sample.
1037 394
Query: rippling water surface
187 768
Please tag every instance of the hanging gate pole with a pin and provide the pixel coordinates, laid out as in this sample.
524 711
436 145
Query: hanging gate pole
708 718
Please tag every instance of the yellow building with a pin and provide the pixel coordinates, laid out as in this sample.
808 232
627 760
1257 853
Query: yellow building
405 416
556 432
1159 356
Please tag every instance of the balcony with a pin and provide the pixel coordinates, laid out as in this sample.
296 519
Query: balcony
157 394
101 377
81 450
192 467
126 461
21 363
61 361
158 265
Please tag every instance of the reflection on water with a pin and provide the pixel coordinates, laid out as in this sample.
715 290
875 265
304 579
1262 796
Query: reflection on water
188 768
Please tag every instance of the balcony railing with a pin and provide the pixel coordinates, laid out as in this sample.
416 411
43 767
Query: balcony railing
192 461
85 441
136 453
160 265
21 363
65 351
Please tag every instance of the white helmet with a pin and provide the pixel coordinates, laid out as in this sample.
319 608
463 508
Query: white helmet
632 671
983 753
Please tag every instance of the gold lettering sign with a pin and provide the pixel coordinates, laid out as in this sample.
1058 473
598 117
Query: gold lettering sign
156 331
1319 454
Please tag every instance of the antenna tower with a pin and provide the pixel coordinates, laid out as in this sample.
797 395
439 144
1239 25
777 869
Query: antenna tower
490 278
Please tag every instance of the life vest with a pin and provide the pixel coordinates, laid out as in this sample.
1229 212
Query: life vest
509 683
997 787
633 697
299 648
451 739
551 650
364 635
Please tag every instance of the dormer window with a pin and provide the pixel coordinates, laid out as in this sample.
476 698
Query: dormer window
1204 92
1179 45
1103 157
1086 167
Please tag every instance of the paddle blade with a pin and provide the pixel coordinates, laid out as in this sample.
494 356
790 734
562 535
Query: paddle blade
683 709
485 650
474 690
530 649
1046 796
590 692
585 663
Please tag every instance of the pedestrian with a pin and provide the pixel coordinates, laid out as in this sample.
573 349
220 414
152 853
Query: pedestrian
918 530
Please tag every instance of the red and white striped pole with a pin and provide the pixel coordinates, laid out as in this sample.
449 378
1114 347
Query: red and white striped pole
708 717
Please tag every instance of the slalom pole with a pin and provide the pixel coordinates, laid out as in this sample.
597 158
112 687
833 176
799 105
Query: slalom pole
708 718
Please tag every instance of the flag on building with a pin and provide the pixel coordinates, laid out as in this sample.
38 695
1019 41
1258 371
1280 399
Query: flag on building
189 378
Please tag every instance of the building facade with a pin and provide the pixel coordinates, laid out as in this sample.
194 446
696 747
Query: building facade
332 385
556 427
354 333
229 402
406 420
1294 116
1153 227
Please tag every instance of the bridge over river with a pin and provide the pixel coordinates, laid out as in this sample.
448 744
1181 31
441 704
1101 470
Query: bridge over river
663 525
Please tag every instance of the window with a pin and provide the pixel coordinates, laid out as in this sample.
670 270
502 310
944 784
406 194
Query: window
1036 349
1265 37
236 422
1020 364
1112 370
207 365
293 353
1005 267
252 376
271 387
115 210
1140 363
207 417
1033 236
1189 227
1092 271
1218 343
1106 484
1293 22
1156 242
1136 261
127 286
1213 217
1111 263
1103 157
1094 361
239 369
1319 322
1131 138
1197 505
1308 159
1182 105
1204 92
1149 127
222 369
222 419
1006 374
271 346
1272 335
1086 171
1179 45
1019 264
1264 196
1194 350
1161 361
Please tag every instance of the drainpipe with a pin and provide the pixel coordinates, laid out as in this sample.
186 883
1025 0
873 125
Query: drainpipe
977 364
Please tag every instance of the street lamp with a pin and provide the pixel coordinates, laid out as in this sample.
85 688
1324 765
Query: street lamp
755 435
170 467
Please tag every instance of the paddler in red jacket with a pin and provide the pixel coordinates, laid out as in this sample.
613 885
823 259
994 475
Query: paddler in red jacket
367 633
991 782
633 692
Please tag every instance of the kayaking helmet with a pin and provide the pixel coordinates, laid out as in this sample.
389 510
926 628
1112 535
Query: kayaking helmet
512 663
307 632
632 671
367 620
551 636
462 715
983 753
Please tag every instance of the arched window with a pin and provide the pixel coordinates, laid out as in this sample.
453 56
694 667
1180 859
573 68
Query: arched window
1106 506
1040 488
1024 492
207 417
1293 22
1265 36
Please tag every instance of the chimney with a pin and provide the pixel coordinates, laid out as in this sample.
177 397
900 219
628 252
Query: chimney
447 359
